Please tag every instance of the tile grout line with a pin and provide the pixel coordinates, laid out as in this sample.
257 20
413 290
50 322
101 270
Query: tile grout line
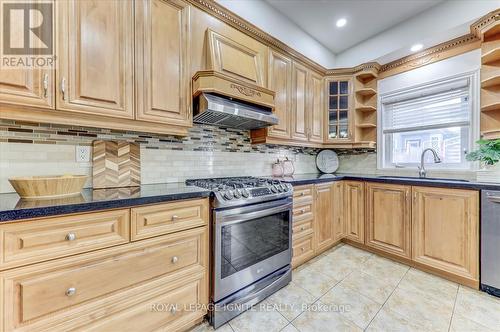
454 306
371 321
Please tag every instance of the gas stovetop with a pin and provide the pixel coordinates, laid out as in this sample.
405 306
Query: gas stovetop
243 190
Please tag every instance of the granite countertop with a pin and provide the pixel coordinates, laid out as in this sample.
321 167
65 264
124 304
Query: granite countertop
302 179
12 207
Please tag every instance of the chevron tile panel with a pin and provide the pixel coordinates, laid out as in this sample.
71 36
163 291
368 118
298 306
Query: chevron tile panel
115 164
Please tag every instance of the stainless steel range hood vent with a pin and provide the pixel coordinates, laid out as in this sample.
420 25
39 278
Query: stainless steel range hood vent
225 112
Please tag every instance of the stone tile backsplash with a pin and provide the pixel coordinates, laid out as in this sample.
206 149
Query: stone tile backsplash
42 149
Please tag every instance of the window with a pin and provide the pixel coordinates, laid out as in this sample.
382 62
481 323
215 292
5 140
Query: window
437 116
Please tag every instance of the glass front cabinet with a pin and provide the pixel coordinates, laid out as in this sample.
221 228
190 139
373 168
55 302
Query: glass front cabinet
339 108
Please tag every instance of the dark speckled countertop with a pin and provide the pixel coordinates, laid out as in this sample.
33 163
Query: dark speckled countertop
302 179
12 207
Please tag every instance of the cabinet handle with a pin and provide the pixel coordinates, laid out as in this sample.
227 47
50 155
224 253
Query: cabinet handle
70 237
173 310
175 217
302 249
302 228
175 259
63 88
302 211
45 85
71 291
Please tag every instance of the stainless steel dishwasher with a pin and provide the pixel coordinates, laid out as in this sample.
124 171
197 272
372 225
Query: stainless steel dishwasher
490 242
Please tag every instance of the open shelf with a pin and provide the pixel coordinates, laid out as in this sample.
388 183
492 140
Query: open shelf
490 56
491 107
366 92
490 82
491 134
364 77
366 108
366 125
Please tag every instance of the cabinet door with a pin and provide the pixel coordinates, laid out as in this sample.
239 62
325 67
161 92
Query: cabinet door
95 52
316 108
299 103
354 211
338 211
280 81
324 217
338 126
388 218
446 230
25 86
162 61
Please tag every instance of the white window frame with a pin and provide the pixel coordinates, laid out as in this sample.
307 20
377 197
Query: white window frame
473 132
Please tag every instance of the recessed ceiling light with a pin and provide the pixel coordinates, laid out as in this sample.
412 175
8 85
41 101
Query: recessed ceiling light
416 47
341 22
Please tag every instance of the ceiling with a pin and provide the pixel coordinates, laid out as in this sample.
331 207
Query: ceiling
365 18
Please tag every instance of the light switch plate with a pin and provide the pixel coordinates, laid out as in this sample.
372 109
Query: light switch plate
83 154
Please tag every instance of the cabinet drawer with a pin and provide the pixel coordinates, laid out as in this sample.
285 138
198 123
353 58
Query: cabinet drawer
301 213
154 220
171 307
301 228
302 195
43 239
42 291
303 250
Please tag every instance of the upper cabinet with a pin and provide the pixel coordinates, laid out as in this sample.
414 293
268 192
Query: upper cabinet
339 104
231 57
162 61
96 57
280 81
300 130
316 107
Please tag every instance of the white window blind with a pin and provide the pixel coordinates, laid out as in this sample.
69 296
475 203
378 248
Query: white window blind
444 106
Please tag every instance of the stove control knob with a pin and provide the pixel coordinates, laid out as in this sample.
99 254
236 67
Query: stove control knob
274 189
237 193
228 195
245 193
285 188
279 187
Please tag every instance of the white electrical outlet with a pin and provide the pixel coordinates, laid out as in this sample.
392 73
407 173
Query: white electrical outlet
83 154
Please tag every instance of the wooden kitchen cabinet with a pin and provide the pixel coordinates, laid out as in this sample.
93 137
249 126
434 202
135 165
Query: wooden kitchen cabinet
316 107
338 125
446 230
280 81
303 224
354 211
95 49
338 211
299 103
162 61
326 216
388 218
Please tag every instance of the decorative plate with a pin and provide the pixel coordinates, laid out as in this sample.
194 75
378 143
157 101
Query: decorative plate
327 161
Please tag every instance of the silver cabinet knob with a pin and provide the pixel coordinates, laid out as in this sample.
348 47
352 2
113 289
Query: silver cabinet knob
70 236
302 228
175 259
302 249
71 291
173 310
175 217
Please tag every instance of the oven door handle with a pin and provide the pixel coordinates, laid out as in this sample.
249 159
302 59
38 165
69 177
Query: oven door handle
234 219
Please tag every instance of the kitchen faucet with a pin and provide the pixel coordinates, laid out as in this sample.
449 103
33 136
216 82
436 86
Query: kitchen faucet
421 169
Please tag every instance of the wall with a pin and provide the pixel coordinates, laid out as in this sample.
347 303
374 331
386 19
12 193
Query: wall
438 24
38 149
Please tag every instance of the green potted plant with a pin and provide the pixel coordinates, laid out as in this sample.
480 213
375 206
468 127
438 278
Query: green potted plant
488 154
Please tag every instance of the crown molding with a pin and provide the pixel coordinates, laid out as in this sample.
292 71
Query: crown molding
430 55
485 23
433 54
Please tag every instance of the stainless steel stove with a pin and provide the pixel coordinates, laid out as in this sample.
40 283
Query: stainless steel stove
251 242
243 190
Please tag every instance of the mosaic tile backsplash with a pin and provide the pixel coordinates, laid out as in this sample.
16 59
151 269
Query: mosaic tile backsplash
40 149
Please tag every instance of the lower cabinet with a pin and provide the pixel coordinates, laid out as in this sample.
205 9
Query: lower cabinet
325 216
388 218
354 211
445 230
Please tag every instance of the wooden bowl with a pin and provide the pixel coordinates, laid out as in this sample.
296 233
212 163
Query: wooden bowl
43 187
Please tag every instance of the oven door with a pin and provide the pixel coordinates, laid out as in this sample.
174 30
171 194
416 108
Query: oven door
250 243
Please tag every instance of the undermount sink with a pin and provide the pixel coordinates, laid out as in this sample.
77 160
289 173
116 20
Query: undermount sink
417 178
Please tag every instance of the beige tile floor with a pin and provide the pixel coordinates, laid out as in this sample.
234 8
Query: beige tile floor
347 289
